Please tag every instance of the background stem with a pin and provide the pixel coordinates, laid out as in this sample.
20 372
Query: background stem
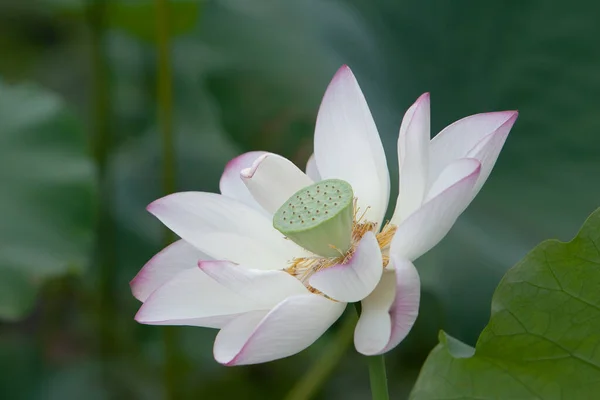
101 143
165 120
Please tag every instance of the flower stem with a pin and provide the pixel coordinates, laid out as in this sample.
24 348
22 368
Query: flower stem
101 143
312 381
165 119
378 377
377 373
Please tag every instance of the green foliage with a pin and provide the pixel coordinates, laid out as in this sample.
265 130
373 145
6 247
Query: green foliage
249 75
46 195
543 336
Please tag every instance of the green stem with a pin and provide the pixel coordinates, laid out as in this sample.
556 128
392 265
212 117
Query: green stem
165 94
378 377
312 381
165 119
377 374
105 247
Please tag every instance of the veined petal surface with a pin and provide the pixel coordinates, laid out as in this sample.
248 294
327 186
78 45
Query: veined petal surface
225 229
290 327
389 313
348 147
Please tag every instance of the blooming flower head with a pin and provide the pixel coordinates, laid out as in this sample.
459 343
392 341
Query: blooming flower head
273 260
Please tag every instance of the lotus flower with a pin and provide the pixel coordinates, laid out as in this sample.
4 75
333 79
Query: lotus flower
272 287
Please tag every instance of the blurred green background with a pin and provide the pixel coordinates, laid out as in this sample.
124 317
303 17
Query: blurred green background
80 158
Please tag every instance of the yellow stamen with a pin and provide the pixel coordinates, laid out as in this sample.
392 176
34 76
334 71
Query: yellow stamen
302 268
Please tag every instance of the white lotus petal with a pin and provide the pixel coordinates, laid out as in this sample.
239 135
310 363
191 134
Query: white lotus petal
193 298
460 139
231 184
348 147
164 266
225 229
266 288
413 158
311 169
389 313
272 180
428 225
289 328
357 278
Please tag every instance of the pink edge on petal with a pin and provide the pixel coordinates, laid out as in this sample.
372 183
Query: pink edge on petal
405 308
142 275
163 266
355 279
288 328
343 72
511 118
240 354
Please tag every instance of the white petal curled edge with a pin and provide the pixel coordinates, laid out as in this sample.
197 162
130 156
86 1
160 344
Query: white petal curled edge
193 298
460 140
225 229
356 279
428 225
290 327
163 266
265 288
272 180
413 158
348 147
311 169
488 149
389 313
231 184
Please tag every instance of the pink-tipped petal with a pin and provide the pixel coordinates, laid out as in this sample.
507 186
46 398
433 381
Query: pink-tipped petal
193 298
413 158
311 169
348 147
290 327
272 180
428 225
356 279
454 172
488 149
460 140
225 229
265 288
164 266
231 185
389 313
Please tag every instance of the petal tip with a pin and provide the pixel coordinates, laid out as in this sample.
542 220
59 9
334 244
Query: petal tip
248 173
234 165
510 117
158 204
423 100
344 72
151 208
135 285
139 316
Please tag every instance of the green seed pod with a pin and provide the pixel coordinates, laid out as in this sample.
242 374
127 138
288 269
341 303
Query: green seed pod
319 217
